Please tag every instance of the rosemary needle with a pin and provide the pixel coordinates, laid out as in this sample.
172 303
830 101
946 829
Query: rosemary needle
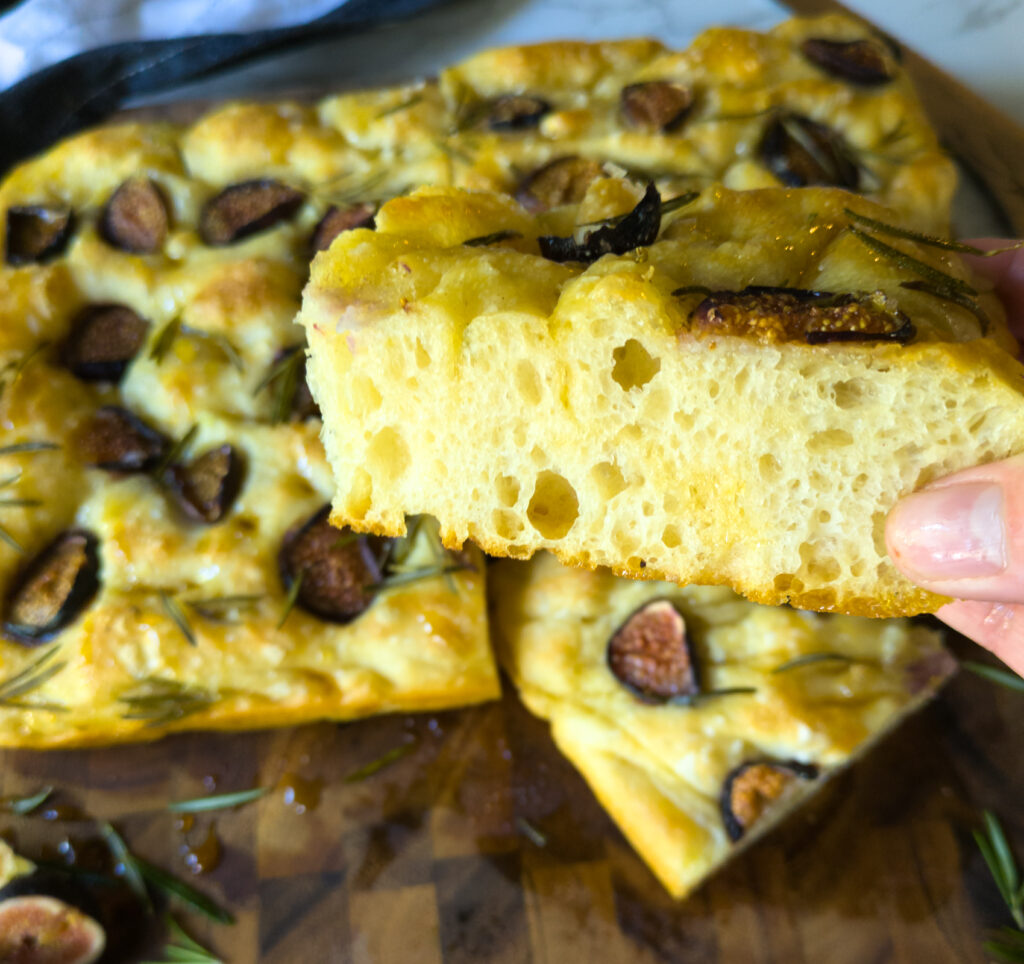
174 611
994 674
810 658
384 760
221 801
20 806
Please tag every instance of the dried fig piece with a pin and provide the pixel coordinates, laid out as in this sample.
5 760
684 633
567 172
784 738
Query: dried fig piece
562 181
245 209
53 589
516 112
338 568
36 233
799 151
861 62
207 486
103 341
135 219
751 788
651 655
116 440
44 930
773 315
639 227
339 220
657 105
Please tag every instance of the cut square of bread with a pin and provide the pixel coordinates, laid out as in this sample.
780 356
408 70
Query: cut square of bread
701 720
737 399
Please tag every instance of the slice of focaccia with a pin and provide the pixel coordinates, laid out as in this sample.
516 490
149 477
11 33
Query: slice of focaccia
700 719
735 392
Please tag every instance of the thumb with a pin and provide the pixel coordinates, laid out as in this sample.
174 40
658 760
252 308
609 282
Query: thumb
963 536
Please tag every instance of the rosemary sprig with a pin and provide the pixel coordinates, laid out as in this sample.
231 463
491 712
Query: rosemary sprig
994 674
290 600
355 191
21 503
124 859
33 446
220 801
188 895
702 290
385 760
216 608
183 950
486 239
531 833
952 296
400 106
164 339
33 676
808 659
177 616
928 239
284 377
442 557
699 698
5 536
901 259
995 848
15 368
20 806
162 701
174 453
394 579
223 343
10 480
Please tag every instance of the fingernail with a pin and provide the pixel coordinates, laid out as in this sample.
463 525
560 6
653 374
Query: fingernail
950 532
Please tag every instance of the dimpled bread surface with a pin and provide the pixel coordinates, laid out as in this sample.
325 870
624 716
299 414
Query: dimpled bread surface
529 404
660 770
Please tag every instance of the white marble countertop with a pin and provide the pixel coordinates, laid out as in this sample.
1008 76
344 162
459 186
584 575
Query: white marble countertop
975 40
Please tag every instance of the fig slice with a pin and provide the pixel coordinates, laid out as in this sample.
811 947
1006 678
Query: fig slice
638 228
247 208
338 220
338 568
800 151
117 440
657 105
772 315
103 341
207 486
650 654
751 788
135 218
53 589
44 930
562 181
36 233
862 62
516 112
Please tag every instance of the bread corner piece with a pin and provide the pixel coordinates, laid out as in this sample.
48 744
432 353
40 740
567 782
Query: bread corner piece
777 701
658 411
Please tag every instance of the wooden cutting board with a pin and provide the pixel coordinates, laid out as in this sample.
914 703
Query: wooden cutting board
483 844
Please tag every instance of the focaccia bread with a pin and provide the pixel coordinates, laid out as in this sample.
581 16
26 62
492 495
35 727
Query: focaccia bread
699 719
738 402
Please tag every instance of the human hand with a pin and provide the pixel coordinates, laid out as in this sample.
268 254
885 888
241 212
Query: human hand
963 536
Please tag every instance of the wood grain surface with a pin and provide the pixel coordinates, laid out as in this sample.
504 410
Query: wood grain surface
980 136
429 860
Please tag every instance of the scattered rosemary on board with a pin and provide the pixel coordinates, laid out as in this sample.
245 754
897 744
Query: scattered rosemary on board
994 674
220 801
384 760
182 949
175 887
1006 944
20 806
126 861
528 830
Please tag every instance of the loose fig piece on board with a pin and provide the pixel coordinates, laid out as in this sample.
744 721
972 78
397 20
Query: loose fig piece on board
39 929
53 589
657 105
338 220
338 568
245 209
862 62
799 152
36 233
207 486
103 341
651 654
562 181
135 219
751 788
118 441
772 315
